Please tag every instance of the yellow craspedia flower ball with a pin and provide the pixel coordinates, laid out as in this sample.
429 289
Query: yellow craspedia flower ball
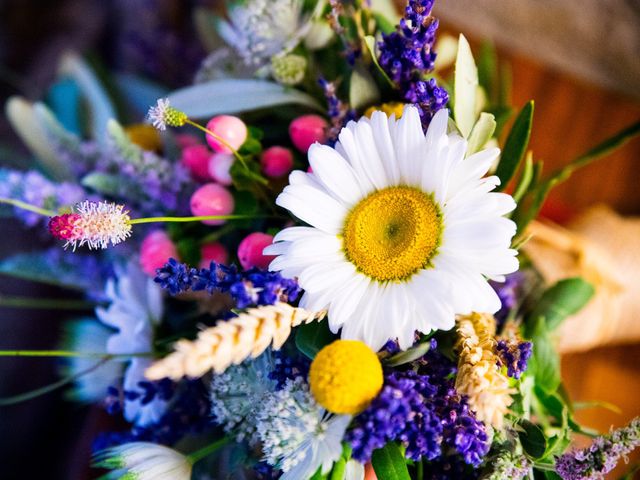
345 377
145 136
388 108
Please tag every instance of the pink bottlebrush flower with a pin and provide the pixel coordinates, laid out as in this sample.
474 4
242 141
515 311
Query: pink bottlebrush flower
95 224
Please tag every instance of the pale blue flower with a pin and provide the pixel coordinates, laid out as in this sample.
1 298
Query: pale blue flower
136 308
144 461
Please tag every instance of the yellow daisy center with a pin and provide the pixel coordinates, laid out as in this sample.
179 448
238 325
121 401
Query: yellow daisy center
393 233
345 377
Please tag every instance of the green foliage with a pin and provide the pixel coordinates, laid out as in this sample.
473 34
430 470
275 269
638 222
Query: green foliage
481 133
310 338
407 356
532 439
389 463
515 145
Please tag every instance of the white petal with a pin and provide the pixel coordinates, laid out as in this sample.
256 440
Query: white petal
384 146
410 146
335 173
313 207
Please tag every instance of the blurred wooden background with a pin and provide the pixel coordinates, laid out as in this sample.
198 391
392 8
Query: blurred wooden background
571 115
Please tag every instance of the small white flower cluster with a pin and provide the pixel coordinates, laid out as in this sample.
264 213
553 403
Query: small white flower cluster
296 434
286 420
238 392
260 29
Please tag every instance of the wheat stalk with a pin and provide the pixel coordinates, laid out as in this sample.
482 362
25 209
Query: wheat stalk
232 341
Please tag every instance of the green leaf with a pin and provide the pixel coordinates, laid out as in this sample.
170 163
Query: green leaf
338 471
561 300
54 267
104 183
481 133
389 463
525 178
128 149
409 355
465 84
370 42
532 439
235 96
384 24
549 475
515 145
545 362
312 337
487 70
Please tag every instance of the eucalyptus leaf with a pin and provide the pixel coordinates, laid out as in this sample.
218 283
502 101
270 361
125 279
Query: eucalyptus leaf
389 463
103 183
532 439
139 92
370 42
99 103
26 124
465 85
481 133
128 149
409 355
363 90
561 300
515 145
235 96
312 337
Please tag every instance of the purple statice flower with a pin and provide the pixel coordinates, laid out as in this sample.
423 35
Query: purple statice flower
249 288
188 413
288 367
339 113
509 293
514 355
595 461
425 414
35 189
407 56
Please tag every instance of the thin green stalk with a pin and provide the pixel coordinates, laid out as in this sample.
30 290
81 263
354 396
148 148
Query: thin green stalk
218 138
419 470
136 221
68 354
45 303
208 450
23 397
25 206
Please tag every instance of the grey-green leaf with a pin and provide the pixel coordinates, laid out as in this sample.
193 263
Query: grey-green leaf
532 439
515 145
409 355
236 96
481 133
310 338
363 90
389 463
466 83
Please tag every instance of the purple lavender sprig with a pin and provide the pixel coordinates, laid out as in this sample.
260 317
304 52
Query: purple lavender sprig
595 461
248 288
407 56
515 355
338 112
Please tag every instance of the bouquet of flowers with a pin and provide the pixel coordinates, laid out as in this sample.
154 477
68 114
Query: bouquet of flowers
312 267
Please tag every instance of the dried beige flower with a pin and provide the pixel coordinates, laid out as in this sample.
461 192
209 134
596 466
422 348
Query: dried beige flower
479 375
232 341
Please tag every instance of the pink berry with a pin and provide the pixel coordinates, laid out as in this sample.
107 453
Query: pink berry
213 252
212 199
196 159
219 168
155 250
231 129
306 130
250 250
276 161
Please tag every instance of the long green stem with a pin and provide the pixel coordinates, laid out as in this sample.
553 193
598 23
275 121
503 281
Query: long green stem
206 451
218 138
45 303
25 206
136 221
69 353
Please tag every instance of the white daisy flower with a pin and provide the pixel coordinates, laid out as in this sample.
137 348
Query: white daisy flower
404 230
145 461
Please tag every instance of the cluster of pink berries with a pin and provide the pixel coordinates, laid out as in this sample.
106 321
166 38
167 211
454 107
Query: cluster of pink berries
212 165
